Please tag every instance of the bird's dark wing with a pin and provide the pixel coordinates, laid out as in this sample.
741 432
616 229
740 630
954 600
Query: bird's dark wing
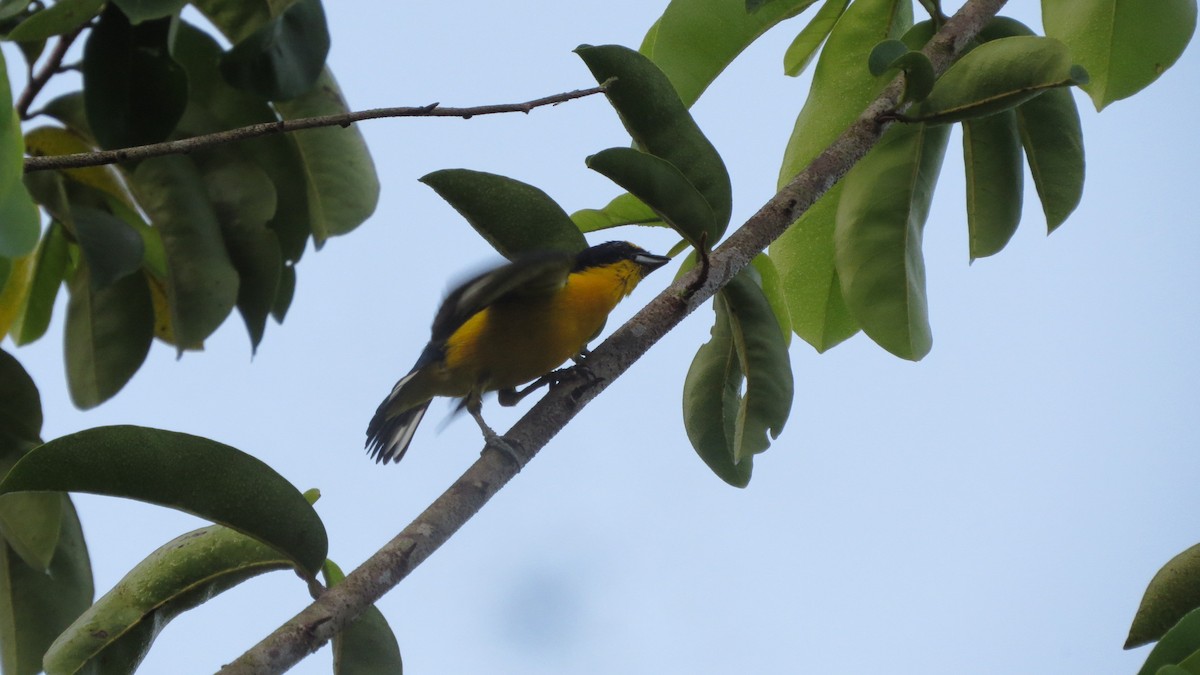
532 275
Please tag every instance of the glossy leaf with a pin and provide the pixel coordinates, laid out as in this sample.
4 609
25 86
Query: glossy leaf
111 247
694 40
1053 140
998 75
108 334
1173 592
202 282
35 606
134 92
367 646
880 220
992 157
710 402
342 187
29 523
114 635
189 473
804 47
662 187
1177 644
622 210
20 404
842 87
1124 45
514 217
146 10
61 17
659 122
282 58
50 265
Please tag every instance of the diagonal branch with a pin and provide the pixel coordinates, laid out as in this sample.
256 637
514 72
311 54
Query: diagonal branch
187 145
318 623
51 66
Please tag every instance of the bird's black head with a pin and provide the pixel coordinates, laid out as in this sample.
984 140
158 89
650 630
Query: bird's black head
616 251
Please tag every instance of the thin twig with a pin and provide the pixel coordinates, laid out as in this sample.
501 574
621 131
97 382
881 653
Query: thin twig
187 145
47 71
317 623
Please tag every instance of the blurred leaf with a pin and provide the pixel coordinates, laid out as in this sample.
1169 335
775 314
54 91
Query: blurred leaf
145 10
802 49
1177 644
659 122
108 334
282 58
514 217
18 213
880 219
342 187
992 156
622 210
114 635
35 607
842 87
111 247
1124 45
134 92
30 522
236 19
367 646
662 187
694 40
20 403
189 473
50 265
1053 141
1173 592
63 16
998 75
14 289
202 282
11 8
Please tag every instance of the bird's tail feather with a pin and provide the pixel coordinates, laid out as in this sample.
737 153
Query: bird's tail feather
389 433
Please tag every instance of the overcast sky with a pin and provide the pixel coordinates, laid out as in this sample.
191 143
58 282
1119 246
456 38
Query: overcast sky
995 508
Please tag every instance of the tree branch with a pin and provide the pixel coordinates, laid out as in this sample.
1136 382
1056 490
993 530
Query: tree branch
317 623
187 145
47 71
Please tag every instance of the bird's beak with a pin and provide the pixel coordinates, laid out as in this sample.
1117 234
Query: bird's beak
650 262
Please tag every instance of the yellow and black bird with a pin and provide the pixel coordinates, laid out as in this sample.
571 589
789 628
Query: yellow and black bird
506 327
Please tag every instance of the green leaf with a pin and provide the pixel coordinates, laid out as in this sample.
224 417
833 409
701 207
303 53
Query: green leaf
1177 644
998 75
236 19
18 213
11 8
1173 592
282 58
146 10
112 249
659 122
514 217
802 49
114 635
61 17
622 210
189 473
367 646
20 404
133 90
917 68
804 258
880 219
772 287
339 176
727 428
202 283
35 606
287 289
694 40
213 106
108 334
992 156
662 187
30 523
1124 45
1053 141
50 267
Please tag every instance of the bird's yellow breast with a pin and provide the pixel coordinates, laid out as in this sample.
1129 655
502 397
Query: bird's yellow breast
513 342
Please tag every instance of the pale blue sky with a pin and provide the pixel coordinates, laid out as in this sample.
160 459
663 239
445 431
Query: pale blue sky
995 508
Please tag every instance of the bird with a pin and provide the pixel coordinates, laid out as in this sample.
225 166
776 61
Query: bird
505 327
